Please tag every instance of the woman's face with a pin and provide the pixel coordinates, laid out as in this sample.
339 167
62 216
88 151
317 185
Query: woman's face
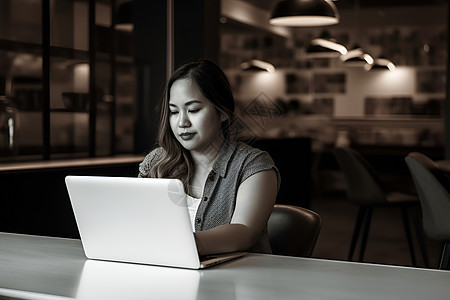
194 120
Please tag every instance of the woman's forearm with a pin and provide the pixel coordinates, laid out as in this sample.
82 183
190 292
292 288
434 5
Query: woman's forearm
254 204
224 238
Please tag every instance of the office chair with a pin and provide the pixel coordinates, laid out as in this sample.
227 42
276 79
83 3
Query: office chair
432 186
366 189
293 230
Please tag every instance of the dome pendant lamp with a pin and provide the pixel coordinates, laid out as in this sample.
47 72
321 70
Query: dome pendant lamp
305 13
356 58
257 65
124 14
380 63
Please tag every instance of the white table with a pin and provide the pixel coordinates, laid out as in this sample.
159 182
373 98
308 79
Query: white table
33 267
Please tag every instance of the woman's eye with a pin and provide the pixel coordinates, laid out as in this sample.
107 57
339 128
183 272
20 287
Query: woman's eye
173 112
194 110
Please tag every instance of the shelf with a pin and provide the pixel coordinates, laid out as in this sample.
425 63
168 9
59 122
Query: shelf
24 47
70 163
393 122
62 52
57 51
390 118
63 110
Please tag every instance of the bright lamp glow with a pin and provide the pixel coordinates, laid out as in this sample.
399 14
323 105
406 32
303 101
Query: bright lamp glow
304 21
305 13
381 63
257 65
356 57
329 45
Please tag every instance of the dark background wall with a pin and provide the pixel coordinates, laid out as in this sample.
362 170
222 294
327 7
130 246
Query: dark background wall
36 201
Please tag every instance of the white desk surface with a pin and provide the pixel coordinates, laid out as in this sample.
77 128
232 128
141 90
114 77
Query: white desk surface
33 267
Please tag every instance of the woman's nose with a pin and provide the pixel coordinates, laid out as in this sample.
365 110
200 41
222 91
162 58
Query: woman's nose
184 120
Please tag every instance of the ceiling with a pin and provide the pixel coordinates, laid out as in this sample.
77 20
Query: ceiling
269 4
350 5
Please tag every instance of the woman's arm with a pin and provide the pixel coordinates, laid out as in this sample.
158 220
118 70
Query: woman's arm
255 199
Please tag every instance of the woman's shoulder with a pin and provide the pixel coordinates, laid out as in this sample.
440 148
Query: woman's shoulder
255 160
251 151
249 156
150 160
155 154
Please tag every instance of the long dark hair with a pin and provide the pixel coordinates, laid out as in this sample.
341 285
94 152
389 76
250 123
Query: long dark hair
176 161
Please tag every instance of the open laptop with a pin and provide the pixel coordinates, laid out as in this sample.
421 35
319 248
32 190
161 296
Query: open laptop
136 220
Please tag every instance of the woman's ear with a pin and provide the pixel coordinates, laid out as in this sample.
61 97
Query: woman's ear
223 117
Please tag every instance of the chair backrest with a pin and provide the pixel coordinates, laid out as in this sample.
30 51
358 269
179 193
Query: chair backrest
293 230
364 185
433 195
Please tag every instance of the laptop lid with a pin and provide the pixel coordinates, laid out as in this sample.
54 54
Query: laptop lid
136 220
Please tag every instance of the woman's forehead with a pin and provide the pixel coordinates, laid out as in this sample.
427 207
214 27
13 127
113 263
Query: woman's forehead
185 91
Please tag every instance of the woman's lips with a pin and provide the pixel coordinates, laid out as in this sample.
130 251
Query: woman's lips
187 135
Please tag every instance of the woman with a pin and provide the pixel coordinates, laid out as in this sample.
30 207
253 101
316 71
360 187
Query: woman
231 186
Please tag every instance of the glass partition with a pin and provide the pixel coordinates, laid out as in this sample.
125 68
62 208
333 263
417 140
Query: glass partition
66 90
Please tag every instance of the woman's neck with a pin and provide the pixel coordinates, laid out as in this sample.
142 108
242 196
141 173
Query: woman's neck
204 160
203 164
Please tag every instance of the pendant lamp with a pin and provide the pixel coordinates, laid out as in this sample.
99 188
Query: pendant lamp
381 63
124 20
356 57
325 46
305 13
257 65
321 47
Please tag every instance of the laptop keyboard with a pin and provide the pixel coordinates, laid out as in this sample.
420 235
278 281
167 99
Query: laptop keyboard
207 257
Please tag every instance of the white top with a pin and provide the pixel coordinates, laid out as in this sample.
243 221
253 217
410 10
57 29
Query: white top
193 204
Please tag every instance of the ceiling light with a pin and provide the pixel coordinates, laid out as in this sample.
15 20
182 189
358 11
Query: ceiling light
381 63
329 44
257 65
124 19
305 13
356 57
320 47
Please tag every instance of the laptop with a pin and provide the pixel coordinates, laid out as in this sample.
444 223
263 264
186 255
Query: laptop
137 220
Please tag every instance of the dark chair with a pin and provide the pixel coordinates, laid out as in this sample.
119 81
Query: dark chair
293 230
366 189
432 186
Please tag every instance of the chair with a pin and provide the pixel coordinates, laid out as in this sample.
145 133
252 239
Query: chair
366 189
432 186
293 230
